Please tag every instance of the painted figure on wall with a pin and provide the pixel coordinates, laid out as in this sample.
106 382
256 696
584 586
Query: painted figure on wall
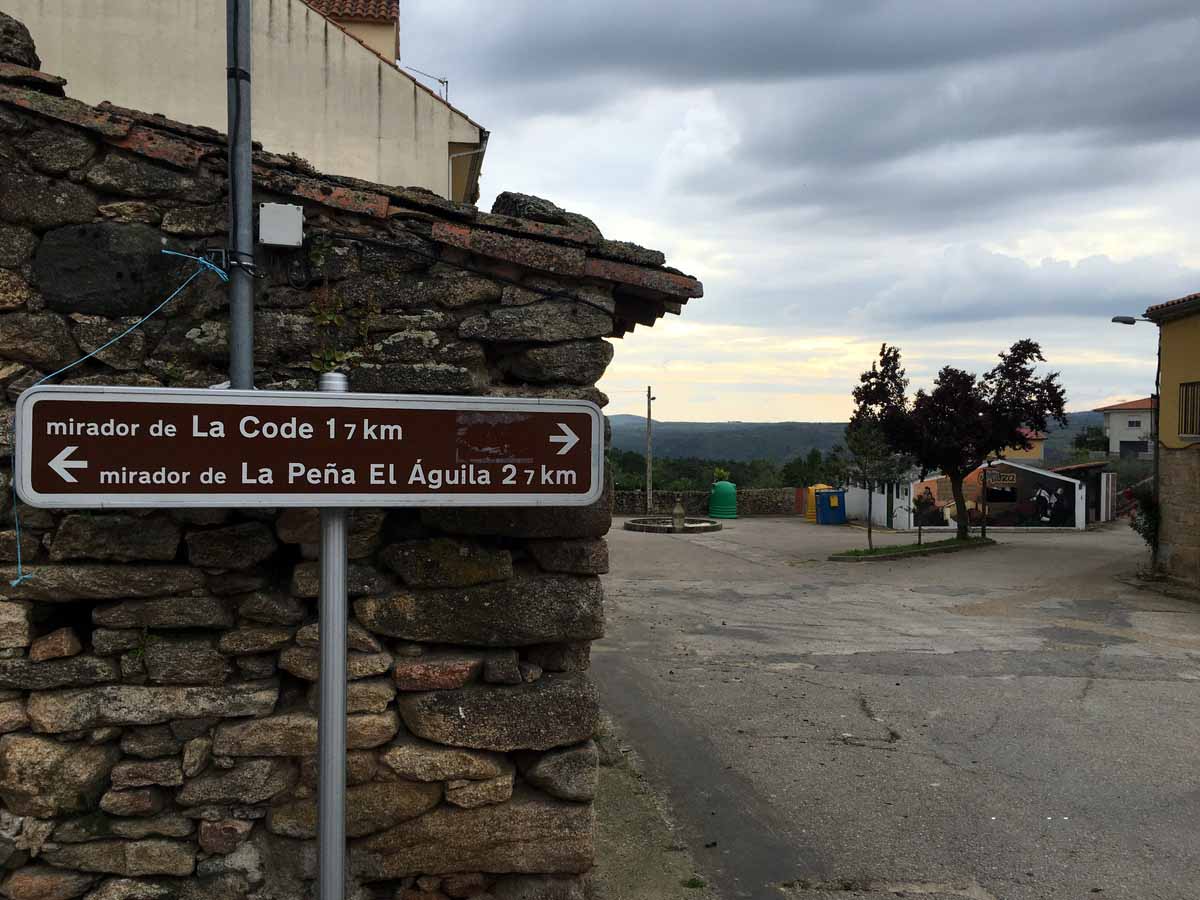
1016 497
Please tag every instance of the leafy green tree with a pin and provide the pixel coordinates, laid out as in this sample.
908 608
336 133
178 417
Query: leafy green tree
693 474
871 459
1091 438
804 470
757 473
922 505
966 418
628 470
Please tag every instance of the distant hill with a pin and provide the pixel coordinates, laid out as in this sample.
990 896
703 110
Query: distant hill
742 441
1059 441
778 442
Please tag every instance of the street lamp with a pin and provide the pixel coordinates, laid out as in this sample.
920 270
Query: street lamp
649 454
1133 320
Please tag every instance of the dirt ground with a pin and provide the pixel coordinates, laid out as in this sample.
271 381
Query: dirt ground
641 854
1008 723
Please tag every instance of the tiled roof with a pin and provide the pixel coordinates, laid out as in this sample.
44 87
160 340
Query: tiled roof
643 290
1128 405
1081 467
371 10
1179 304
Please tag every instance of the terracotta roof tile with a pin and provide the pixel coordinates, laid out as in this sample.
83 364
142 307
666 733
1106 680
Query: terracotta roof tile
1080 467
641 289
64 109
1144 403
373 10
1165 308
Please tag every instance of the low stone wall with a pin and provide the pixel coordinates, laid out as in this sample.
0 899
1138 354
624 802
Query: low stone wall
758 502
158 669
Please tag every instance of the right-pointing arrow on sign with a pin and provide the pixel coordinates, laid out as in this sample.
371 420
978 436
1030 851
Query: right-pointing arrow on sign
568 438
62 465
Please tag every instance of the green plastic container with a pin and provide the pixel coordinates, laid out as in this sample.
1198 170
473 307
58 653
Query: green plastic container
722 502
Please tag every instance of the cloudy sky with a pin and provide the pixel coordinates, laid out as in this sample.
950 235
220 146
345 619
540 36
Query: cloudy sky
947 176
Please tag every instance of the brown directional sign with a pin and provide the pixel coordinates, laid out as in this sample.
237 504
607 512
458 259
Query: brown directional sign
129 447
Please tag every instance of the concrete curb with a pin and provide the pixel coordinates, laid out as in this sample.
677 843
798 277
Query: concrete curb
975 543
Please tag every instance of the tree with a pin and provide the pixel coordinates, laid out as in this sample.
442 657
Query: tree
921 505
1144 514
966 418
871 460
804 470
1091 438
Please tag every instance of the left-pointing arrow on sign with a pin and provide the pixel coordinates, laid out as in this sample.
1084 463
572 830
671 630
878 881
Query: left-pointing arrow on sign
568 438
62 465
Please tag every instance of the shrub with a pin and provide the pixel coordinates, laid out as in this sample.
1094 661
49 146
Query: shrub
1145 513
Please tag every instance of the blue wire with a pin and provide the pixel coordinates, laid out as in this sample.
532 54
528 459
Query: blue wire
202 266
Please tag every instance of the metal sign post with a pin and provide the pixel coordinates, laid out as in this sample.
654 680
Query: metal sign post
241 232
331 720
649 455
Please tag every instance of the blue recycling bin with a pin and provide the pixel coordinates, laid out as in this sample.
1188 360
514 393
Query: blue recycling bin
831 507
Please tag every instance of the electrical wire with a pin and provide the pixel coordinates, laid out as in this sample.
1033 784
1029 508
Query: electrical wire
202 266
444 82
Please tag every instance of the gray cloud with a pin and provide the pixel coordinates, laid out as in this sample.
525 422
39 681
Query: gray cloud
686 40
1132 88
856 166
971 284
962 285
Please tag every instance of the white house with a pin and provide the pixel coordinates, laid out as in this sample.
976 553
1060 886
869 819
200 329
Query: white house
890 503
326 82
1129 427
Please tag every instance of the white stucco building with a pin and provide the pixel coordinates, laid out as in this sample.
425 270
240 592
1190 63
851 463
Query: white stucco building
1129 427
326 84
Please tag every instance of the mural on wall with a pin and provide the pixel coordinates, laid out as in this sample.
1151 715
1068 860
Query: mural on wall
1016 497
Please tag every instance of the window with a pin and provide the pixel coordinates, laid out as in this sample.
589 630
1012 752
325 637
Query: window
1189 408
1135 423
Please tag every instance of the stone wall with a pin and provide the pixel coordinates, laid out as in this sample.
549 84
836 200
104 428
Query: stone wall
756 502
158 668
1179 530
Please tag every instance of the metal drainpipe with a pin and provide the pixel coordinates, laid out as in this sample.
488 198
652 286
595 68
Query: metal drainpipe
1157 408
450 167
241 217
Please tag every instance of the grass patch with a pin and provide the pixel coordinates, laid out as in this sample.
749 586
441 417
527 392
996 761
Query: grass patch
694 882
949 545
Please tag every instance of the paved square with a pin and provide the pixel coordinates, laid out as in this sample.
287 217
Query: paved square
1016 722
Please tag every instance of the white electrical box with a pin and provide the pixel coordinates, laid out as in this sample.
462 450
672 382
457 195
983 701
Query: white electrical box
280 224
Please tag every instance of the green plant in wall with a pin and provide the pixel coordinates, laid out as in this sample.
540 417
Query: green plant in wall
327 318
373 310
1145 517
174 374
328 313
327 359
139 652
318 253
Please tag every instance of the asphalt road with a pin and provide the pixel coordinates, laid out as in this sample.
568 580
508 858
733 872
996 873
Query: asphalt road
1002 724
